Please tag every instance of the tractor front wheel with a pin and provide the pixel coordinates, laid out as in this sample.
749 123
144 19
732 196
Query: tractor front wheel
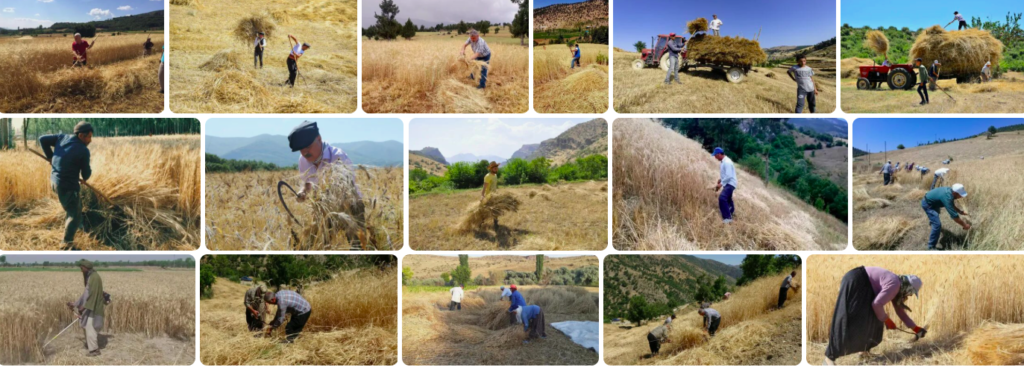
900 79
735 74
863 83
638 64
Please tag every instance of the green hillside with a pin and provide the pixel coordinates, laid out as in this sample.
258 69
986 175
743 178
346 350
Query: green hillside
665 280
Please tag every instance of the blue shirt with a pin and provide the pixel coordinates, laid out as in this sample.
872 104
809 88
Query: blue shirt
69 158
941 197
577 53
529 312
673 48
517 301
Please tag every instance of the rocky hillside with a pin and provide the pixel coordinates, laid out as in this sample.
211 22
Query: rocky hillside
427 164
525 151
431 153
585 139
659 278
592 13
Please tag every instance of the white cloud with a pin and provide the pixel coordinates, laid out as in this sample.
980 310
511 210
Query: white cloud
45 1
14 23
37 14
125 8
100 13
493 136
8 10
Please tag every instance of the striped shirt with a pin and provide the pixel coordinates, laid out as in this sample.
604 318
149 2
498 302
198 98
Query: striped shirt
289 302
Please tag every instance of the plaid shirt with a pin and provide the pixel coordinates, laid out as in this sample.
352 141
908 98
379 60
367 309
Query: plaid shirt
289 302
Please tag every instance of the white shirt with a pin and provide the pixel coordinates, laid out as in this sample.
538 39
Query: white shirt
297 50
260 42
506 293
457 294
715 23
941 172
330 155
959 17
727 172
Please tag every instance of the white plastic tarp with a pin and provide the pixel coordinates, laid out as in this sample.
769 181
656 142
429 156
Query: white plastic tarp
583 333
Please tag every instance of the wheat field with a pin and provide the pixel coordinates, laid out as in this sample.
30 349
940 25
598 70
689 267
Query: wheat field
428 75
752 331
152 185
38 77
960 294
354 321
243 211
212 71
561 89
664 200
149 321
480 334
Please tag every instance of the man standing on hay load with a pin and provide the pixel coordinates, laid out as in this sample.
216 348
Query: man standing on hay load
490 187
517 304
806 89
711 320
255 308
288 303
69 157
715 25
674 48
298 49
939 198
481 52
859 319
457 292
533 323
89 307
80 48
727 184
957 17
317 155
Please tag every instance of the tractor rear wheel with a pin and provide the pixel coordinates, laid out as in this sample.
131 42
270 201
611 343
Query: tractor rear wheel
900 79
863 83
663 63
735 74
638 64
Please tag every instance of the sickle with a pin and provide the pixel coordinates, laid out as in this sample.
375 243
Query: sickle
281 196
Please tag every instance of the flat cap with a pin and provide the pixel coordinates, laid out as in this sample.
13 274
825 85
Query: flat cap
303 135
83 127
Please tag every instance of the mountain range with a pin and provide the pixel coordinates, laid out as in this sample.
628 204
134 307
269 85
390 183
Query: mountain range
274 149
472 158
834 127
659 278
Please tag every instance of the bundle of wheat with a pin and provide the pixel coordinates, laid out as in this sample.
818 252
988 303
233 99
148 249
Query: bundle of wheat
726 50
232 86
872 203
338 211
996 344
248 27
876 41
697 25
481 213
882 232
964 51
226 59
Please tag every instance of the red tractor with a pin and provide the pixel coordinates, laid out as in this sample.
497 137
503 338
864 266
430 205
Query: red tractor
899 76
658 57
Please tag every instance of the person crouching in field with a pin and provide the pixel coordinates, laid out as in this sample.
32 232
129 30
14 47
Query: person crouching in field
859 319
657 336
575 56
937 199
255 308
315 154
517 302
533 323
784 289
298 49
80 48
288 303
457 293
986 72
69 157
711 320
481 52
806 89
89 306
490 187
727 184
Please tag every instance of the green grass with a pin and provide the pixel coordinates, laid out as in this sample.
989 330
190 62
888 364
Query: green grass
433 288
40 269
553 34
500 186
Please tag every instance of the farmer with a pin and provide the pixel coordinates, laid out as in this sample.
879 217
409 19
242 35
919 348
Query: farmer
160 74
298 49
886 62
69 157
255 308
147 47
481 52
290 303
933 74
456 302
897 166
80 48
668 320
986 72
575 56
517 304
89 306
715 24
857 327
533 323
940 174
726 183
784 289
259 44
673 49
316 154
656 337
937 199
505 293
711 320
957 17
806 89
922 87
886 173
490 187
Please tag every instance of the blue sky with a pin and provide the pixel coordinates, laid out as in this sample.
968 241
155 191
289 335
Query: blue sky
783 23
858 13
493 136
910 131
725 259
332 130
33 13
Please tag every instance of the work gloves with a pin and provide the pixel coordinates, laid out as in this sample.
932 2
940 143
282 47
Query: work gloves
919 332
889 324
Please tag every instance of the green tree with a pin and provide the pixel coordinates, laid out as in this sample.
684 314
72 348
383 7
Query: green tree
406 275
638 310
516 171
540 266
991 130
387 27
446 277
206 280
521 22
409 30
819 204
900 147
462 274
483 26
464 260
463 175
462 28
640 46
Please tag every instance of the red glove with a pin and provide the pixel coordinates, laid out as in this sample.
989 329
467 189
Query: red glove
889 324
917 329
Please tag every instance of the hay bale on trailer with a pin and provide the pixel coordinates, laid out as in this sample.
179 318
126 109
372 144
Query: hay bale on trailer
962 53
697 25
736 51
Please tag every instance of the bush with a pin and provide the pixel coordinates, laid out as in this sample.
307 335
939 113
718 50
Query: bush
463 176
516 171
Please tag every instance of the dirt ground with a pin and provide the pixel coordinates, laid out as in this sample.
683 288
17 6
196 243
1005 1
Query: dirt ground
1001 96
765 90
121 349
570 216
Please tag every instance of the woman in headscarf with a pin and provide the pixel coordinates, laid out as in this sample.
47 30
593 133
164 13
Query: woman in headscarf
859 319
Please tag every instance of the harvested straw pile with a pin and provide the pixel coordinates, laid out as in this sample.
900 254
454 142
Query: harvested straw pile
914 195
455 96
726 50
247 27
850 67
480 214
80 82
876 41
890 191
697 25
495 317
964 51
882 232
996 344
872 203
226 59
232 87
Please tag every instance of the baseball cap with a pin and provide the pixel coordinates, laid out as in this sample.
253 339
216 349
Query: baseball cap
959 189
718 151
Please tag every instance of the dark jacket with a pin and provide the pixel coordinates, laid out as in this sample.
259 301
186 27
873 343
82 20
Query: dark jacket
673 48
516 301
69 157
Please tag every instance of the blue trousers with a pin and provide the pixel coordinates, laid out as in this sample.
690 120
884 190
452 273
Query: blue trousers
887 177
933 221
483 70
725 204
673 69
936 180
575 61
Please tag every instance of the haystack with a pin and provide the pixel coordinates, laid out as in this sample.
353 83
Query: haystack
996 344
247 27
234 87
459 97
495 317
226 59
697 25
877 42
850 67
78 82
726 50
960 52
479 214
